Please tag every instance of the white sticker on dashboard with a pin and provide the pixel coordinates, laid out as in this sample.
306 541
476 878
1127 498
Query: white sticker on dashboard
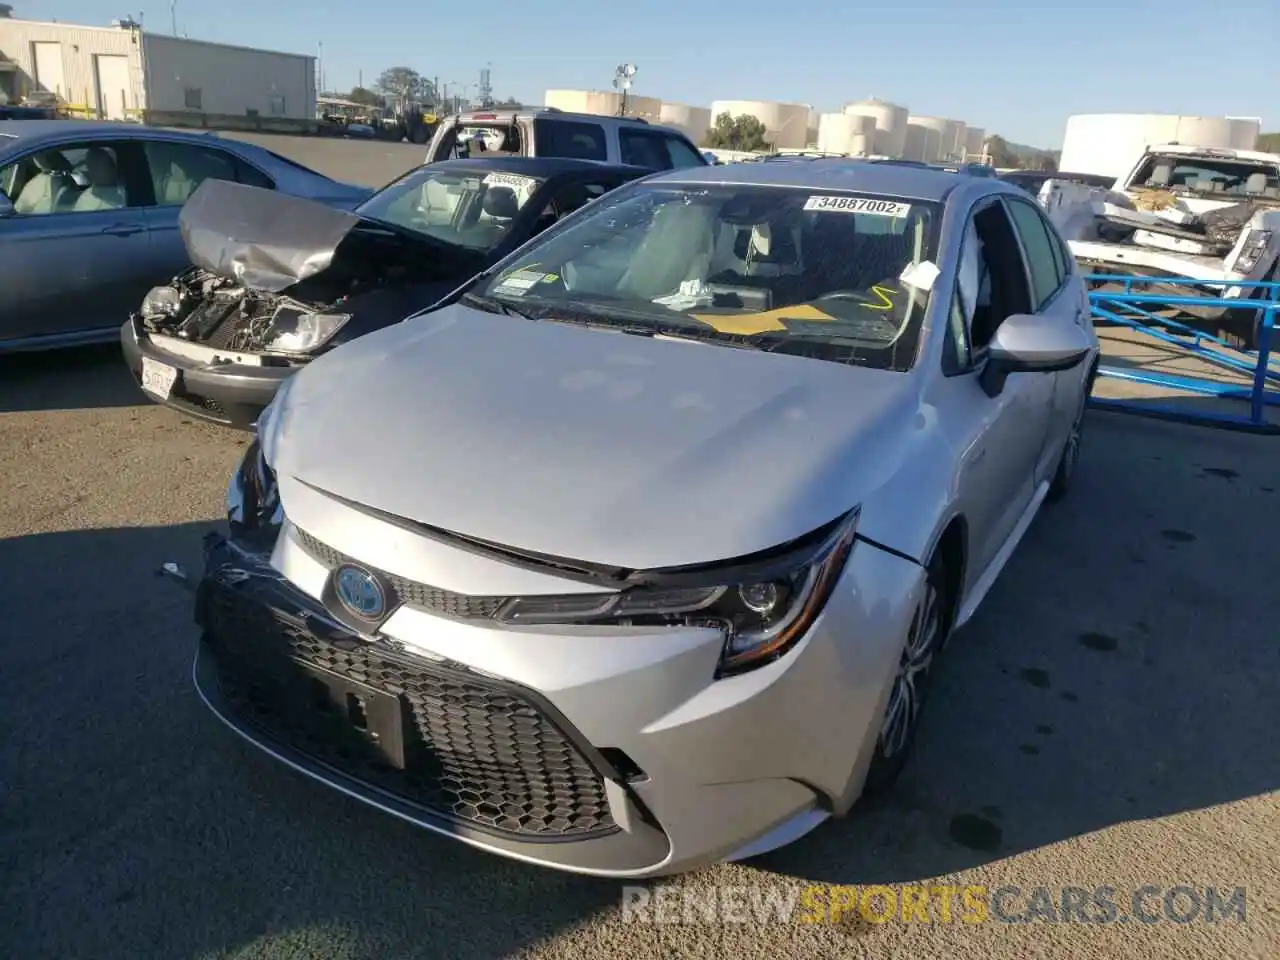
867 205
512 180
920 275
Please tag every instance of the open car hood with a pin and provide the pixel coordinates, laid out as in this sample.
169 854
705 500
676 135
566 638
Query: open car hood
261 238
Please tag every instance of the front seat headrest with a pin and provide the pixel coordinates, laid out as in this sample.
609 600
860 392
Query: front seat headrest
51 162
500 202
1256 184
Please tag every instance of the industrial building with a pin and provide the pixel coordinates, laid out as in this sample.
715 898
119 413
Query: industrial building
1108 143
122 72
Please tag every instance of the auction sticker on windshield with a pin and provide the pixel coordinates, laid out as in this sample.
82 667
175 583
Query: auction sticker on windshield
868 205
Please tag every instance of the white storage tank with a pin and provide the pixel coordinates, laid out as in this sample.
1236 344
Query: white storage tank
811 128
862 145
1108 143
924 140
694 122
785 124
948 136
891 124
975 142
836 131
606 103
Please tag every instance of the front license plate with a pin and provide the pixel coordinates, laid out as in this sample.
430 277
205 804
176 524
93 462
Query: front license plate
363 718
157 378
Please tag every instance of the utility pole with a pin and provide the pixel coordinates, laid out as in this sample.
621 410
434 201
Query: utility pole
173 15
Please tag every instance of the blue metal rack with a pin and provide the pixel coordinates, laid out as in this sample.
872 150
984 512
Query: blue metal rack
1133 307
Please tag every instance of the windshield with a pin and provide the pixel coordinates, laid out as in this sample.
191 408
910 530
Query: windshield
841 277
473 209
1207 175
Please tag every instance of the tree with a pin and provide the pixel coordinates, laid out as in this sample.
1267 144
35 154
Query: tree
1044 160
365 96
402 82
999 152
736 133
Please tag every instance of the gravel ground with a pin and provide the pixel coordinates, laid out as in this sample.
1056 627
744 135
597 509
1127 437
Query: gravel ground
1107 719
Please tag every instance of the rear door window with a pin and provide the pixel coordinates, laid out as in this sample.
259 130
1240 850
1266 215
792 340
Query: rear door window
569 138
642 148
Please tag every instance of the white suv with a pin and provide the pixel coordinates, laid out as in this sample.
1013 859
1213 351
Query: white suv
548 132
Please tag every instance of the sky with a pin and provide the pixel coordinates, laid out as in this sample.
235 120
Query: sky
1016 68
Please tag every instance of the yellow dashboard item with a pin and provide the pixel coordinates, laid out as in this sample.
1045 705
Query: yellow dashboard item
746 324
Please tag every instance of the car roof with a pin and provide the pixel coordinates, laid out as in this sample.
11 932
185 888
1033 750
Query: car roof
541 166
891 179
16 134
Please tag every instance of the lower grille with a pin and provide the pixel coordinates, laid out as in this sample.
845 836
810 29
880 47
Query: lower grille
474 750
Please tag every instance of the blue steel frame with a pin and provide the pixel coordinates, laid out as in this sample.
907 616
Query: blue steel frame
1132 309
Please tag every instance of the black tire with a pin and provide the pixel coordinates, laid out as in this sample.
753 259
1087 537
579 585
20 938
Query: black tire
1243 329
926 637
1060 485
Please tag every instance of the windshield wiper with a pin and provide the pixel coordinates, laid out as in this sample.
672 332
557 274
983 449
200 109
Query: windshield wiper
494 305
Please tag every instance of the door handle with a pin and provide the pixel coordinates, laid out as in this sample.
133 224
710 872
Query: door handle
122 229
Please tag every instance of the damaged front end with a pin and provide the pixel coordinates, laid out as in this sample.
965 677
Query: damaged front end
204 308
1112 233
275 275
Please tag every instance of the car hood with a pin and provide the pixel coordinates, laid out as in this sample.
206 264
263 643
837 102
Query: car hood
261 238
587 444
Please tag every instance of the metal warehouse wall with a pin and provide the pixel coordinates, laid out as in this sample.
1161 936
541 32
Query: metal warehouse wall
69 57
216 79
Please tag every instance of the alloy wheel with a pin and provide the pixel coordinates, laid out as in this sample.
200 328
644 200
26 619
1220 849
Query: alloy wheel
907 695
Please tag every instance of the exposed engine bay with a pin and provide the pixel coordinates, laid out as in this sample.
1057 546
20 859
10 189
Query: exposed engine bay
223 313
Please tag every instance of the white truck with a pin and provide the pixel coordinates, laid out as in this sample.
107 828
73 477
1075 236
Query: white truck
1204 214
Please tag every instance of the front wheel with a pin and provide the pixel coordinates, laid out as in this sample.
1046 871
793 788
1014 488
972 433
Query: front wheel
902 714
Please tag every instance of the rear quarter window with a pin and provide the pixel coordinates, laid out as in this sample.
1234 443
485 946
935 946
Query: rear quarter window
567 138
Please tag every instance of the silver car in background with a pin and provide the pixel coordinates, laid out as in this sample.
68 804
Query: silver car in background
636 553
89 218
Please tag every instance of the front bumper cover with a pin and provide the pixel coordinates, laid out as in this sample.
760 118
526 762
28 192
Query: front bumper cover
233 395
485 760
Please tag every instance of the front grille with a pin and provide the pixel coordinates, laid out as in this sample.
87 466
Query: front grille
434 599
476 751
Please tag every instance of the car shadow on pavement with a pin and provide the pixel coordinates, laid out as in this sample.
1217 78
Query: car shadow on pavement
1122 668
144 827
73 379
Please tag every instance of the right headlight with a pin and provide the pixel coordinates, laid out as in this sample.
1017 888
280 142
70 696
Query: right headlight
161 302
1255 245
763 607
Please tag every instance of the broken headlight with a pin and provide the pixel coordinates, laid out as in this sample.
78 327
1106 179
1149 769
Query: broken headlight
762 607
161 302
254 512
1255 245
304 332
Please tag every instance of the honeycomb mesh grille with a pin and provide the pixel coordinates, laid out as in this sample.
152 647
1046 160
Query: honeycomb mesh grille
474 751
445 602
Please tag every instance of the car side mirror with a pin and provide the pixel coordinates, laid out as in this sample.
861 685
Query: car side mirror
6 207
1032 343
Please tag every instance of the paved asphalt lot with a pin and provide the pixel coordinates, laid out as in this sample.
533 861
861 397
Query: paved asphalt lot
369 162
1107 719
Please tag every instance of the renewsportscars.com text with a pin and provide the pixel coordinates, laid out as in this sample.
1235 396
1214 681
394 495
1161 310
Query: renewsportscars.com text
933 903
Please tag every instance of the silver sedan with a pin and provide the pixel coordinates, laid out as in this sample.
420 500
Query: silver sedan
89 218
637 553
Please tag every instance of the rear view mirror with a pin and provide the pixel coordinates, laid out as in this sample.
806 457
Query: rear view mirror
6 207
1032 343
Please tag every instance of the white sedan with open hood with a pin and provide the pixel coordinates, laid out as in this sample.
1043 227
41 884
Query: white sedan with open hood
636 554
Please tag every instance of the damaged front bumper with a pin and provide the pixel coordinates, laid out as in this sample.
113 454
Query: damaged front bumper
200 381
